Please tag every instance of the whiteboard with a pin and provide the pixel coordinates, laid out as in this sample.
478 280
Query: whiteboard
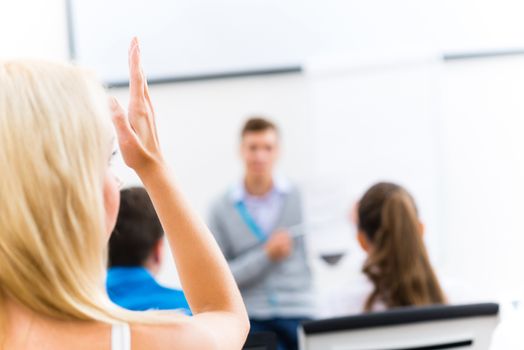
199 38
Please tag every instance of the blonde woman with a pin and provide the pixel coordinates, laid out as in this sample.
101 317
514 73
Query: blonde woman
58 204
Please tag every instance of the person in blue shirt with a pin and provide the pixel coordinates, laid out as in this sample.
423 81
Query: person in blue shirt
135 257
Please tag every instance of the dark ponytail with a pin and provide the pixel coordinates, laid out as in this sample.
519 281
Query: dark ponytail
398 263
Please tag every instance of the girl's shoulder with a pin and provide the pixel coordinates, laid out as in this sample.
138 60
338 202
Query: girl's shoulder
187 334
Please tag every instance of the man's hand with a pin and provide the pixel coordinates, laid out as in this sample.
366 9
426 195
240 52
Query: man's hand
279 245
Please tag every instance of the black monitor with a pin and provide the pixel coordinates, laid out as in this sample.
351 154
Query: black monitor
261 341
410 328
400 316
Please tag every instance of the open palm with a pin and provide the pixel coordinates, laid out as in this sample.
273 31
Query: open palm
136 130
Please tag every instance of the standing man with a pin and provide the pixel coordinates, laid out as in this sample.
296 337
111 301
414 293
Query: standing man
255 224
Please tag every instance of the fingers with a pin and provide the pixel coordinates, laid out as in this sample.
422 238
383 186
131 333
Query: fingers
148 97
136 77
140 104
283 234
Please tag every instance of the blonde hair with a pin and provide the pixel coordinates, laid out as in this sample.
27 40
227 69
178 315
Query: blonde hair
55 142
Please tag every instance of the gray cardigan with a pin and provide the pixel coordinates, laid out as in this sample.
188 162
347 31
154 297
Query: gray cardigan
269 289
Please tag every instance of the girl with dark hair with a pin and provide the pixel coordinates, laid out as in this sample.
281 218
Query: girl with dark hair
397 271
397 264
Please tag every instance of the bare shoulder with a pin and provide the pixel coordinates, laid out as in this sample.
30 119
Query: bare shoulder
183 334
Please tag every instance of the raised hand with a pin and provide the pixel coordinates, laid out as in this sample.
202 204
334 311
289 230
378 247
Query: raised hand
136 131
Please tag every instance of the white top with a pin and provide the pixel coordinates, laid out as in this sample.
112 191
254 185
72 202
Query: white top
121 337
350 298
347 299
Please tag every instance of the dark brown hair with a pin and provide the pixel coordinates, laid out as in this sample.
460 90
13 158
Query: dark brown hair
137 229
398 263
258 124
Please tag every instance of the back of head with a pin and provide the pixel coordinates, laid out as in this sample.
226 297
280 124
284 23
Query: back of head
137 229
55 141
398 263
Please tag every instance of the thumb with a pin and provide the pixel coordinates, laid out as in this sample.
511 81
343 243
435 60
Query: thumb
121 122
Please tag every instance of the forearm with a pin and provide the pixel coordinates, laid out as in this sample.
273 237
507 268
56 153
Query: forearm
204 273
250 266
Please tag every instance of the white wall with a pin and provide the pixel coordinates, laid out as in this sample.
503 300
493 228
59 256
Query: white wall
483 148
31 28
451 134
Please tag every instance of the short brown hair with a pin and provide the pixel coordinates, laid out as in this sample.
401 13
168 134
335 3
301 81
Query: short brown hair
137 229
257 124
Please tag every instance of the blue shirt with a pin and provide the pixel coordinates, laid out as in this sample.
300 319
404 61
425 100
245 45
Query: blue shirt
134 288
